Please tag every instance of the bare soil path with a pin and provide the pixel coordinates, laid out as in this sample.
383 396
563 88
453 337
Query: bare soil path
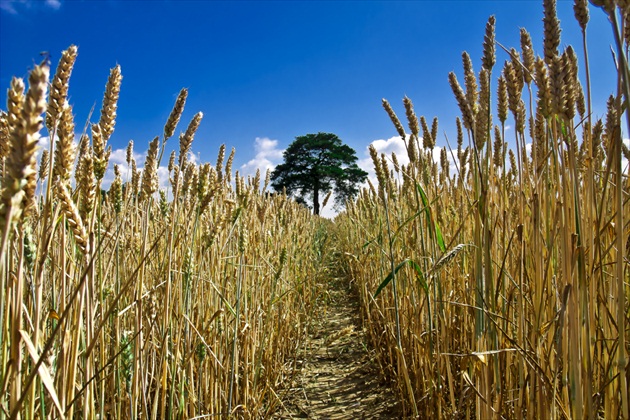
339 377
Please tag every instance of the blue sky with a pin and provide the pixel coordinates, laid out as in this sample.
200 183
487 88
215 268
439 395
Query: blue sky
264 72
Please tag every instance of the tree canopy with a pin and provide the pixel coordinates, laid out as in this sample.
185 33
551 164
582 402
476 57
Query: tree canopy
316 164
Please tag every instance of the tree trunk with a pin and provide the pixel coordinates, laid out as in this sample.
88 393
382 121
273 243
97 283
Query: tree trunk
316 197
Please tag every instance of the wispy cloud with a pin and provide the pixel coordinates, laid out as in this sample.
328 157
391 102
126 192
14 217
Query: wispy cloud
53 4
14 7
7 6
268 155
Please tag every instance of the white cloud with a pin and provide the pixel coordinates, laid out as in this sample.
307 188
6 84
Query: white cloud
44 142
397 145
119 157
163 179
53 4
393 144
268 155
193 158
12 6
329 212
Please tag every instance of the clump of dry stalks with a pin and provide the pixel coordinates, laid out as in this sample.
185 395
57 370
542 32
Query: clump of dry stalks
123 304
501 291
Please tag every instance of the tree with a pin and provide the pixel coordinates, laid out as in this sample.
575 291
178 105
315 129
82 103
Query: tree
315 164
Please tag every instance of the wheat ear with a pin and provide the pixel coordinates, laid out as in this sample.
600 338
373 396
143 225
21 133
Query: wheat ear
186 139
176 113
149 175
20 178
59 86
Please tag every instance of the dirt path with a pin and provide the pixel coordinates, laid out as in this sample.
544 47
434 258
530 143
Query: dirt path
339 378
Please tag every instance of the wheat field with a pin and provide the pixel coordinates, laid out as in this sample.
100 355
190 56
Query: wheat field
125 304
493 282
503 288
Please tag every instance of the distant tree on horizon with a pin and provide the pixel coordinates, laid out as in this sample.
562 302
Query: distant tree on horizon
317 164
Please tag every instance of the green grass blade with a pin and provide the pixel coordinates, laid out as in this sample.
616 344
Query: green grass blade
389 277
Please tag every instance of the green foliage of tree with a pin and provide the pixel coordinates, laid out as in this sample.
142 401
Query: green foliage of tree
315 164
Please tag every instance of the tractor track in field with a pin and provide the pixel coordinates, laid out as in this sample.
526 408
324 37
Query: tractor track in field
338 375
